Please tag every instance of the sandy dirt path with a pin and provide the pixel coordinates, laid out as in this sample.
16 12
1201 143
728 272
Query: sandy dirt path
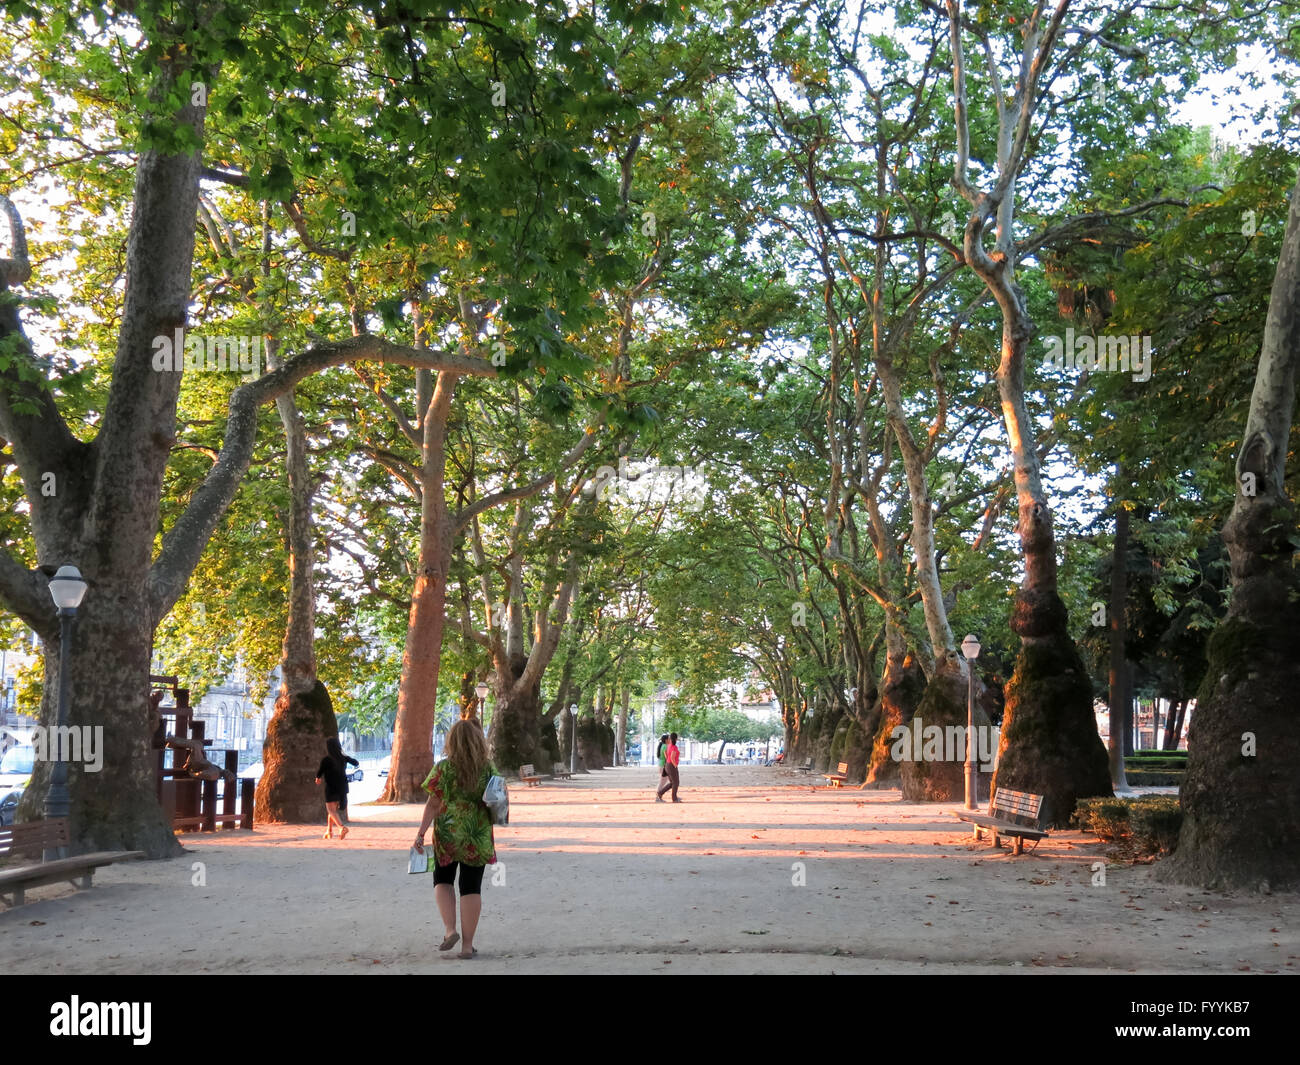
756 871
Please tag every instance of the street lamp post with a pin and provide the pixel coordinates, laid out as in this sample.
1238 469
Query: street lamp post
573 738
481 690
970 647
67 590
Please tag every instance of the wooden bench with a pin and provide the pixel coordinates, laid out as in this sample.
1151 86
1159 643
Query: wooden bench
805 766
1011 813
840 775
529 776
32 839
561 771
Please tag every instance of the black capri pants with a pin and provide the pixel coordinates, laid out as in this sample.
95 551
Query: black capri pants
471 877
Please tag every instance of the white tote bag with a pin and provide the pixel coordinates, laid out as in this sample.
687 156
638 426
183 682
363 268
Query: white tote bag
497 800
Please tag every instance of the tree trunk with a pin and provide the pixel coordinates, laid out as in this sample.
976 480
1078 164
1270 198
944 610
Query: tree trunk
418 691
900 691
1241 795
1049 744
620 736
595 742
557 722
294 747
922 533
1174 726
1119 675
117 807
288 791
828 717
944 706
515 736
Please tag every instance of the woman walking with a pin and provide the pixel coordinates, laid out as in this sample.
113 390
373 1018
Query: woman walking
671 776
334 771
660 757
462 831
672 756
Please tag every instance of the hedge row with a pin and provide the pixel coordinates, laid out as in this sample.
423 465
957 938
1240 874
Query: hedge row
1149 822
1153 778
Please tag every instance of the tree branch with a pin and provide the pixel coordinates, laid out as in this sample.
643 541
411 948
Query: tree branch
184 543
17 269
26 593
463 517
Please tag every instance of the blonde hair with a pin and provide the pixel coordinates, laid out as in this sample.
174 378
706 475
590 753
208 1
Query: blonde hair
467 751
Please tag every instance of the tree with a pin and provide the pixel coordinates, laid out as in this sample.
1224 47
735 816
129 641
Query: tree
710 724
1049 742
103 514
1241 796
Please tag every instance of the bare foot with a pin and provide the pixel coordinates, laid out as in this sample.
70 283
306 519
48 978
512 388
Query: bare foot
344 833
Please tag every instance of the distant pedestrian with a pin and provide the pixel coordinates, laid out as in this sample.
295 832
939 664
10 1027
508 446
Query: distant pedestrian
334 771
672 756
661 756
462 831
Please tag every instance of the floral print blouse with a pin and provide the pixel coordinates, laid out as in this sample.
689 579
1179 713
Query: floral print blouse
462 832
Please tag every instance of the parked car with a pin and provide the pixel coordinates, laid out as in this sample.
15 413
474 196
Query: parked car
385 765
355 774
16 766
9 806
255 771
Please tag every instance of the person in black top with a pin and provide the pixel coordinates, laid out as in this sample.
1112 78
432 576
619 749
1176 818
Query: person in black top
334 771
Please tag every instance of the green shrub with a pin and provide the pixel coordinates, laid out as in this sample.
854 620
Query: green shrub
1156 821
1149 823
1105 817
1154 778
1164 761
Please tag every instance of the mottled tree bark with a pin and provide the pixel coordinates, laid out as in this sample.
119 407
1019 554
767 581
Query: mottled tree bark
304 716
417 694
898 695
1241 795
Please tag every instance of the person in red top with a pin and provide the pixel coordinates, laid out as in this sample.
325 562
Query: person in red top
672 757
